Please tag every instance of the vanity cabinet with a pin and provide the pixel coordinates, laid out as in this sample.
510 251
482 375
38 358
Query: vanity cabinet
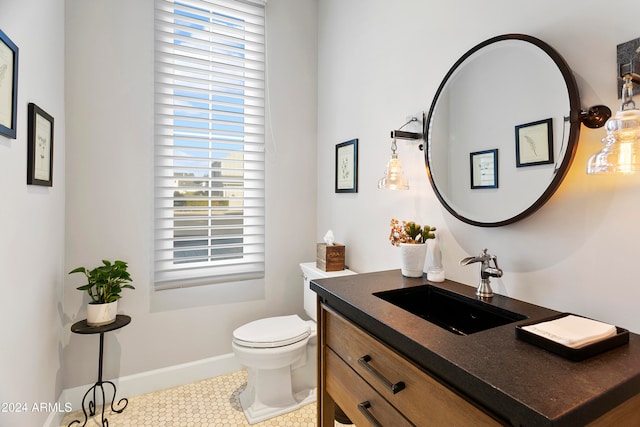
488 378
374 385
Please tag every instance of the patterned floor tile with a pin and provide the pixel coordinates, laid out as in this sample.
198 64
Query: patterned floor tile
213 402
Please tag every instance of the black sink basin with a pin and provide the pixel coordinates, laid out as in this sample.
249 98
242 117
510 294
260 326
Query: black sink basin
454 312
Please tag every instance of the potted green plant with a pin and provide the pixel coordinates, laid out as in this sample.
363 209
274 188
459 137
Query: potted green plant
104 284
412 240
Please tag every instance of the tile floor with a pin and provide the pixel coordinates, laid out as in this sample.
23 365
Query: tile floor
213 402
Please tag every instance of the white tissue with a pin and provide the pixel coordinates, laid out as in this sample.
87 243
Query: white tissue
328 238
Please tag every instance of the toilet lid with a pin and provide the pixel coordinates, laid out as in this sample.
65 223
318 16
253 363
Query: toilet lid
272 332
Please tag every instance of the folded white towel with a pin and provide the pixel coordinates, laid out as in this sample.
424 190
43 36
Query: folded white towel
573 331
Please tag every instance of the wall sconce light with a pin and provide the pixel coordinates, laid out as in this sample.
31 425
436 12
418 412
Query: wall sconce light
621 152
394 178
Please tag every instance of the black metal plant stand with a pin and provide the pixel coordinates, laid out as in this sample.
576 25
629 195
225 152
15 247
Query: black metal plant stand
82 327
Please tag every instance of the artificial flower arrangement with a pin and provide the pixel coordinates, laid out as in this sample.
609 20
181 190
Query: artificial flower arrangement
409 232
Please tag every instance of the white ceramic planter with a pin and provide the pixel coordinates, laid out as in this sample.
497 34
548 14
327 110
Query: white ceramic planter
101 314
413 256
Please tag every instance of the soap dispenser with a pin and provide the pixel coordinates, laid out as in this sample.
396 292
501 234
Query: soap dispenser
435 271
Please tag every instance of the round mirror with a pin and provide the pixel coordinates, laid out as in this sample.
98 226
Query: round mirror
502 130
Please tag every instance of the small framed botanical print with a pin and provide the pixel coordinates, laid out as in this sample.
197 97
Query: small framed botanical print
8 86
40 147
484 169
347 167
534 143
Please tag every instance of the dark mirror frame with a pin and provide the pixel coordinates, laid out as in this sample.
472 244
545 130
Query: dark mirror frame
572 141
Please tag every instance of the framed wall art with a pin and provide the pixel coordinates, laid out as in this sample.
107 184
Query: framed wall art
40 147
534 143
347 167
484 169
8 86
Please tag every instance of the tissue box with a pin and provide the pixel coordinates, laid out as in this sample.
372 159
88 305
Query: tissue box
330 257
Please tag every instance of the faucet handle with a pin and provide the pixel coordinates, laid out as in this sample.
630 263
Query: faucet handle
489 271
488 258
495 261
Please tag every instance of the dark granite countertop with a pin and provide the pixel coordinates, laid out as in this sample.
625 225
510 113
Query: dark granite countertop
524 384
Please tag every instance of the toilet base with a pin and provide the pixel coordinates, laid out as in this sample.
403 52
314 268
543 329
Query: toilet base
280 379
278 400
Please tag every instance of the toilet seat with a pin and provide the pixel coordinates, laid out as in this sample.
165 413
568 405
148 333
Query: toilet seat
272 332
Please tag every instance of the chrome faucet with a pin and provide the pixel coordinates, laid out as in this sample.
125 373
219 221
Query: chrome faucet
486 272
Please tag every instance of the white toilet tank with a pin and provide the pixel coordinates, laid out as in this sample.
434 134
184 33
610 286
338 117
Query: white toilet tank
309 273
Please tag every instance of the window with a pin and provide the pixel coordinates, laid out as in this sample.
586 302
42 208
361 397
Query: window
209 142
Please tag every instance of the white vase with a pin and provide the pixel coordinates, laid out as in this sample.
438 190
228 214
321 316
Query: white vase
412 256
101 314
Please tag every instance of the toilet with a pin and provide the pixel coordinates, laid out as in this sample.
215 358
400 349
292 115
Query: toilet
280 356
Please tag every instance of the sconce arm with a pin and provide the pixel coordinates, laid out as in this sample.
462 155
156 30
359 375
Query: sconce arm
403 134
595 117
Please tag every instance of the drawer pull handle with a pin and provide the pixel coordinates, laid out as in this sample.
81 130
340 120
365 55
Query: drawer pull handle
394 387
364 408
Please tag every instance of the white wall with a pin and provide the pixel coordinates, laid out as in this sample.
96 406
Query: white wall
109 188
32 220
381 61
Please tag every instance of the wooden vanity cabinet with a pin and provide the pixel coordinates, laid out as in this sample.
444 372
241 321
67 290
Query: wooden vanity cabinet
374 385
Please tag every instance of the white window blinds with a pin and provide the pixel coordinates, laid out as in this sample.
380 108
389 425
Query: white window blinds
209 141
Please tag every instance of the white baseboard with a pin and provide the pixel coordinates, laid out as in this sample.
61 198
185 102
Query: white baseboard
150 381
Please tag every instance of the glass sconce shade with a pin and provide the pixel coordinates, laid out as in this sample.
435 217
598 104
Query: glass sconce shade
393 178
621 152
